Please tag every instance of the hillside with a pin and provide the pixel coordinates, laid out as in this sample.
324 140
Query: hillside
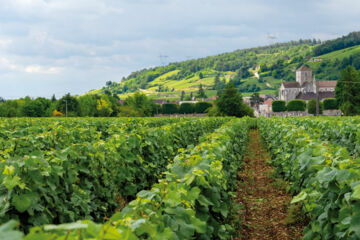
259 69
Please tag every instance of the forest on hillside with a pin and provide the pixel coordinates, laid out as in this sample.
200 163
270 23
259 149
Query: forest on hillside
271 64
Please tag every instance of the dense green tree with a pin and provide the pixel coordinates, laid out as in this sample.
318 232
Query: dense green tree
201 76
312 107
141 103
103 107
217 83
53 98
182 95
350 40
87 106
71 103
35 108
230 103
201 93
11 108
347 91
256 100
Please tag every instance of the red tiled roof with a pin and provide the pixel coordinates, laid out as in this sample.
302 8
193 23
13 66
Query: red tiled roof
268 102
291 84
303 68
327 83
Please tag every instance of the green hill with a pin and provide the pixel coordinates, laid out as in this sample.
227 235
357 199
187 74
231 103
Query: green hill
260 69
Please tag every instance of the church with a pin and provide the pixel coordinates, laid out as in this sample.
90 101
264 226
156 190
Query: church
305 87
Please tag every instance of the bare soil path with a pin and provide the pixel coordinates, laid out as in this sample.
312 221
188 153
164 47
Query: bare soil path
263 197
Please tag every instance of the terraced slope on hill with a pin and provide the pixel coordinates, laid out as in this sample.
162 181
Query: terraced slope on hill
260 69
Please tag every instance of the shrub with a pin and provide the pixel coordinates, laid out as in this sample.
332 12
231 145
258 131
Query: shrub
330 104
170 108
296 105
201 107
187 108
312 107
127 111
279 106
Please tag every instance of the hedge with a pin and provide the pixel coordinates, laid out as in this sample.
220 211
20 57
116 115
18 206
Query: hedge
187 108
296 105
312 107
170 108
201 107
279 106
330 104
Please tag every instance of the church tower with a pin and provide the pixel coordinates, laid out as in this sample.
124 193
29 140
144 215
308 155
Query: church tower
303 75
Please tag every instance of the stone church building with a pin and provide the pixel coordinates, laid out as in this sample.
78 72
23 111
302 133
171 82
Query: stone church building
305 87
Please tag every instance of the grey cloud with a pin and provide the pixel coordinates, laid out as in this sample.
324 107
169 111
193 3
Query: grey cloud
73 46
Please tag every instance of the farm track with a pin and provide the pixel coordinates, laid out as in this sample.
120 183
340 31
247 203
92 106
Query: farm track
263 197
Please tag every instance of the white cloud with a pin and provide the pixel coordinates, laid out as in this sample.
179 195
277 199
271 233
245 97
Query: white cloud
42 70
81 44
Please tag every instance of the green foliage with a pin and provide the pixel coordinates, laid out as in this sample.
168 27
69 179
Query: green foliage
255 99
142 104
323 176
234 66
312 106
71 103
35 108
9 231
89 168
201 107
11 108
192 201
278 106
201 92
230 103
350 40
347 91
330 104
103 107
127 111
170 108
182 95
186 108
296 105
87 106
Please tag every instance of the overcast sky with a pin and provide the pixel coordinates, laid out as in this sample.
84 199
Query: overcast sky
60 46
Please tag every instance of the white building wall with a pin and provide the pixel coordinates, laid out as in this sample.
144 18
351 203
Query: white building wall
288 94
303 76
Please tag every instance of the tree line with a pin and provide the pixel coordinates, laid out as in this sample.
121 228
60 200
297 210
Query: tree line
104 105
352 39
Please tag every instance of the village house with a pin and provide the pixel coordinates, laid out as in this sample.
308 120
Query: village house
306 87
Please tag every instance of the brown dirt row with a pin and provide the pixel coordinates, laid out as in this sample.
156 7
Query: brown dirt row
263 198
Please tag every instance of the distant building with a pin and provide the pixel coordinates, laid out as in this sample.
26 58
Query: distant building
181 102
305 87
211 98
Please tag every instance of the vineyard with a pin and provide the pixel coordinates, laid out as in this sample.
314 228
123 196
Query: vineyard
172 178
